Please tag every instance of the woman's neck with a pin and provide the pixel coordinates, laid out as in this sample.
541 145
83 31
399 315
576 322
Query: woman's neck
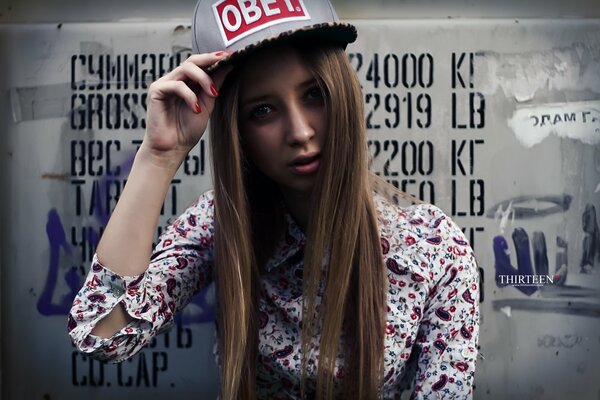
298 204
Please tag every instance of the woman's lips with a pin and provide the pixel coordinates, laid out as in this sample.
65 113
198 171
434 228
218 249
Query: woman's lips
305 165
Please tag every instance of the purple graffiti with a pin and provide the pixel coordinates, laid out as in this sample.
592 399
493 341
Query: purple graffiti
558 296
504 268
46 304
540 253
503 264
57 239
591 241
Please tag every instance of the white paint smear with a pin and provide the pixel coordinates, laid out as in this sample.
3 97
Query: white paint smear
506 310
504 215
576 120
522 75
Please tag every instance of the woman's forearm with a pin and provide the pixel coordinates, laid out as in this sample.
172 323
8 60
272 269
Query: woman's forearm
126 243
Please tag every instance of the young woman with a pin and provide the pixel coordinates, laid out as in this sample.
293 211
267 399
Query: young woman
325 287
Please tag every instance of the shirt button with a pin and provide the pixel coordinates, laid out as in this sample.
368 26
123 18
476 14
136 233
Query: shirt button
466 352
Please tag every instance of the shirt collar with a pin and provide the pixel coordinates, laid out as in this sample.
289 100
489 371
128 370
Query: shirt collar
290 244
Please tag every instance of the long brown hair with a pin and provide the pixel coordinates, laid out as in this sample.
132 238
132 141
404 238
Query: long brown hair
342 227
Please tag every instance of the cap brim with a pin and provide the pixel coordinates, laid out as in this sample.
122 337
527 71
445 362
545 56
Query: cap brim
337 32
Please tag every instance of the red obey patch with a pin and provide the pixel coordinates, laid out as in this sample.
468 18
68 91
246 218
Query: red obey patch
239 18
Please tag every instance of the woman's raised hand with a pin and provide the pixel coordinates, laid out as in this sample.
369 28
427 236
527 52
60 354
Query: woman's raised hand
180 104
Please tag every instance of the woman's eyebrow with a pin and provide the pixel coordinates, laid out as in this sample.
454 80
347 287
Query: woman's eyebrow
262 96
309 82
256 99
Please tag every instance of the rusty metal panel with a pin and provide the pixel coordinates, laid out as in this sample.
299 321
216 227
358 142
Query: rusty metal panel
495 121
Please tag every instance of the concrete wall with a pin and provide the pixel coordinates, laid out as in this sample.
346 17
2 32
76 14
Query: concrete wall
493 114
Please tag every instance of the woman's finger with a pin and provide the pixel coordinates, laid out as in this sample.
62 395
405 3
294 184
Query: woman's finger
207 59
200 60
190 71
163 90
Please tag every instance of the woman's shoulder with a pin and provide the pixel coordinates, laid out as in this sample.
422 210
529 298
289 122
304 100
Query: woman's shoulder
421 220
203 205
419 228
200 213
423 239
206 200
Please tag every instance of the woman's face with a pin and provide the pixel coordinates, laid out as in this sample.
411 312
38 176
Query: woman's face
282 118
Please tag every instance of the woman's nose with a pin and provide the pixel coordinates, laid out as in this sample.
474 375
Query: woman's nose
300 129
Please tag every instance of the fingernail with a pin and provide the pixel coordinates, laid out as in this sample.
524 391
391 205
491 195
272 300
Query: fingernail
213 90
222 53
197 108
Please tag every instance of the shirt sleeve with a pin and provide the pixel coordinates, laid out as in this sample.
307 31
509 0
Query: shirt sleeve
180 265
448 333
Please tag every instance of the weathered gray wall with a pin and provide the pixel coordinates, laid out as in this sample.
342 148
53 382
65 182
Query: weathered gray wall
12 11
518 166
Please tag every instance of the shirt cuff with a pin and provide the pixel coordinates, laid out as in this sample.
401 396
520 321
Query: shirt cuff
102 291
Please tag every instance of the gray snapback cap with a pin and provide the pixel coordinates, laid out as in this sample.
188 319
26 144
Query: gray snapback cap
241 26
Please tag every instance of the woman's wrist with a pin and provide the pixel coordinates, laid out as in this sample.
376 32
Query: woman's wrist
167 161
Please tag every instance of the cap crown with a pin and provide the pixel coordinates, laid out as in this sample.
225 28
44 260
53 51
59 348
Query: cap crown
235 24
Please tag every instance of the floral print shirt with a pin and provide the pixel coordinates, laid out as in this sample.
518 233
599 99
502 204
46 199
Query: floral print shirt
432 301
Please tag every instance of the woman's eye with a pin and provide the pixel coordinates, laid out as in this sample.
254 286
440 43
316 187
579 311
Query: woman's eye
314 93
260 112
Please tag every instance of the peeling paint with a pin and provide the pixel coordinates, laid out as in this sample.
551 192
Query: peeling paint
504 215
522 75
575 120
39 102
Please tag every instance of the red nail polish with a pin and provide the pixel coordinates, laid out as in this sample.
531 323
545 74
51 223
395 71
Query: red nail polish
197 108
213 90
